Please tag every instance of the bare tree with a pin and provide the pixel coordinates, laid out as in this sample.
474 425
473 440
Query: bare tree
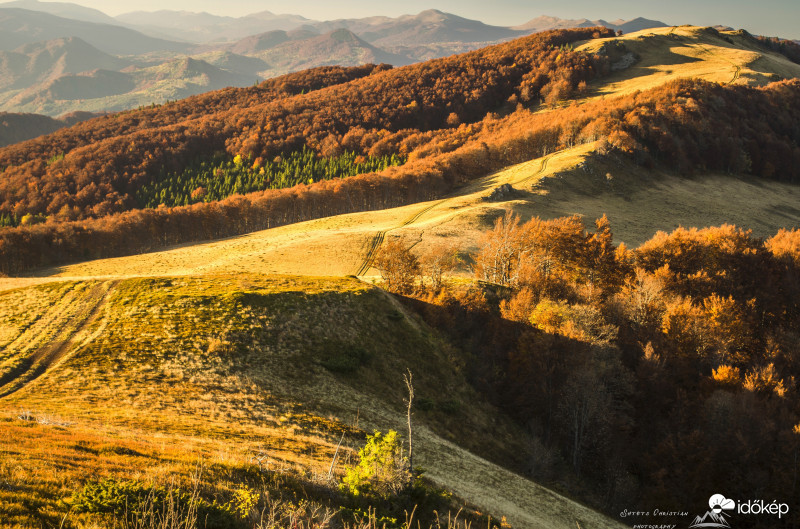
398 266
408 379
439 261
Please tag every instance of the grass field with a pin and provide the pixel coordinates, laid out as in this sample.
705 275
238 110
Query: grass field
670 53
174 372
638 202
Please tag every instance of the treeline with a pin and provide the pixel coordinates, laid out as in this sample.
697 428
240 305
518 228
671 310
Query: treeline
193 107
686 125
105 163
789 48
141 230
648 376
221 177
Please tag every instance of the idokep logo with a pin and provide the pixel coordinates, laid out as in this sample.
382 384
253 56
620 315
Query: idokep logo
715 516
718 504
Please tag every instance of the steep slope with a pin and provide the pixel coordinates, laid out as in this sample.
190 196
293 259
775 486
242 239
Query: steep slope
21 26
246 359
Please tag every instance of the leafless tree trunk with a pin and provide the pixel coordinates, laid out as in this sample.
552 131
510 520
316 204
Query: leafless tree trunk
407 377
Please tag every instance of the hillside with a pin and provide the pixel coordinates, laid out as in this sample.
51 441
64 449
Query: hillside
259 371
263 45
648 58
43 62
442 154
15 128
400 101
638 203
336 47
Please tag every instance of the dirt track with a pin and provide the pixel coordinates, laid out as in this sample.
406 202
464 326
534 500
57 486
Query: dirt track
53 336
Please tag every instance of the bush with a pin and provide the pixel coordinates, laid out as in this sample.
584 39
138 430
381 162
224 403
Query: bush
382 470
344 358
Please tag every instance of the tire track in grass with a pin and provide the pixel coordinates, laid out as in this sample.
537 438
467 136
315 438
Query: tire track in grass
538 173
58 332
377 240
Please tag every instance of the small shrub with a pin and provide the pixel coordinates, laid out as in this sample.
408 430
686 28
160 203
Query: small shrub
424 404
382 470
451 407
344 358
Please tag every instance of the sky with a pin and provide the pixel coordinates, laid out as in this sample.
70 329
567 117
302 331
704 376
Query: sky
764 17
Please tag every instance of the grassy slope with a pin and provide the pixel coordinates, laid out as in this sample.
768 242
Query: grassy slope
668 53
236 364
638 203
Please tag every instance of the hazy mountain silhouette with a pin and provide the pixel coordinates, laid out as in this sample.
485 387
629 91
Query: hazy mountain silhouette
42 62
544 23
22 26
62 9
341 47
204 27
629 26
431 26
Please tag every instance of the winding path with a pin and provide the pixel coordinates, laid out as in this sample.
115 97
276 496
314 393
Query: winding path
377 240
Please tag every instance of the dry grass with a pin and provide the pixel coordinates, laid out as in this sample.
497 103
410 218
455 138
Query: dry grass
228 370
638 202
690 52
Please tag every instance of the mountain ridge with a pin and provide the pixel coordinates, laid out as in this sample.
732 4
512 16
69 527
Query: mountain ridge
290 43
40 26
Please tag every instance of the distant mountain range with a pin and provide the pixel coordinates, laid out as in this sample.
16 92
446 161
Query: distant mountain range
58 57
23 26
545 23
204 27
